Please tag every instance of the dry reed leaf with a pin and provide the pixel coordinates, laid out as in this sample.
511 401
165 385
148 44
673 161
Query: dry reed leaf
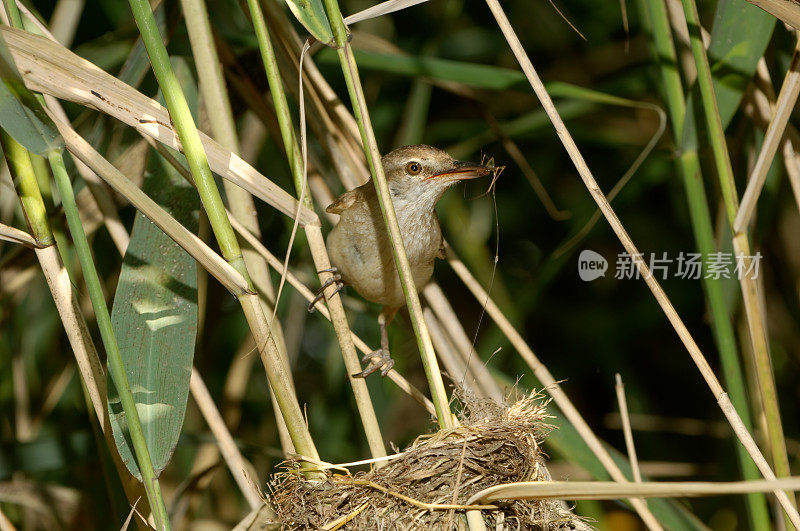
50 68
10 234
200 251
611 490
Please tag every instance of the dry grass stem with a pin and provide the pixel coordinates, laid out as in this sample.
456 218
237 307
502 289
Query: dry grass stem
626 428
56 71
609 490
68 306
241 470
775 133
549 383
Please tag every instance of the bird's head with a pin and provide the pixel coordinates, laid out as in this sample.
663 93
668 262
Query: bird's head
421 173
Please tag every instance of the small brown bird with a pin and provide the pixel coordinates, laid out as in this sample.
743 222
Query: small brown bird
360 249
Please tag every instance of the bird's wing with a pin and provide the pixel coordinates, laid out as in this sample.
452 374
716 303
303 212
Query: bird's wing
345 201
442 254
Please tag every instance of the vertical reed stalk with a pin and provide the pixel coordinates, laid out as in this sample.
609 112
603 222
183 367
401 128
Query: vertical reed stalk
356 92
296 163
291 147
223 127
212 203
700 216
741 246
116 368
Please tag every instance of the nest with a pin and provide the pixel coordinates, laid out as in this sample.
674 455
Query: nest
493 446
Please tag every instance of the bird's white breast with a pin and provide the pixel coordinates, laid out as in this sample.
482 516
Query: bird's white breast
360 248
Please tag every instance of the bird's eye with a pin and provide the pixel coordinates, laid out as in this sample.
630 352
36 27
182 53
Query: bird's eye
413 168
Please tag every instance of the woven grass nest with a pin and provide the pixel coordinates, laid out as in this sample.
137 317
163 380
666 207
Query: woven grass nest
492 446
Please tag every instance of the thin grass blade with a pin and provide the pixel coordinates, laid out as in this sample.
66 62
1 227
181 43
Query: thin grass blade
311 14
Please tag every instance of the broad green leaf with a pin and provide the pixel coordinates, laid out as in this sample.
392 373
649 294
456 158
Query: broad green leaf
740 34
155 320
21 114
312 16
155 315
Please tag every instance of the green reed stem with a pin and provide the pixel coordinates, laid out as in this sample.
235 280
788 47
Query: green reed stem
116 368
700 217
187 132
741 245
356 92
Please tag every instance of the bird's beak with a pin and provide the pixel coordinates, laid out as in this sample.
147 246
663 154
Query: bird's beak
463 170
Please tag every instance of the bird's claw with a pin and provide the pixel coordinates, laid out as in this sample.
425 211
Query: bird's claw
336 278
378 359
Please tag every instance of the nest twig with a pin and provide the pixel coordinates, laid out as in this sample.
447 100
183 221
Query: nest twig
428 484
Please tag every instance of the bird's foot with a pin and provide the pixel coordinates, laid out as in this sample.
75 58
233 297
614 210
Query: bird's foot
378 359
336 278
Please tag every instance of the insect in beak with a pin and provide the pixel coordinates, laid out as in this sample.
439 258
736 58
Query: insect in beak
463 170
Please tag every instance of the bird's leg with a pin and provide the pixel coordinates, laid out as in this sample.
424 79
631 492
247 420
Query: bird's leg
336 278
381 358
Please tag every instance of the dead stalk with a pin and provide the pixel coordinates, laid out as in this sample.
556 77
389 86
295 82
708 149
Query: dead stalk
238 466
775 132
547 380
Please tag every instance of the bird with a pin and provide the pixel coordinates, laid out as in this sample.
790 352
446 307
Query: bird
360 249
